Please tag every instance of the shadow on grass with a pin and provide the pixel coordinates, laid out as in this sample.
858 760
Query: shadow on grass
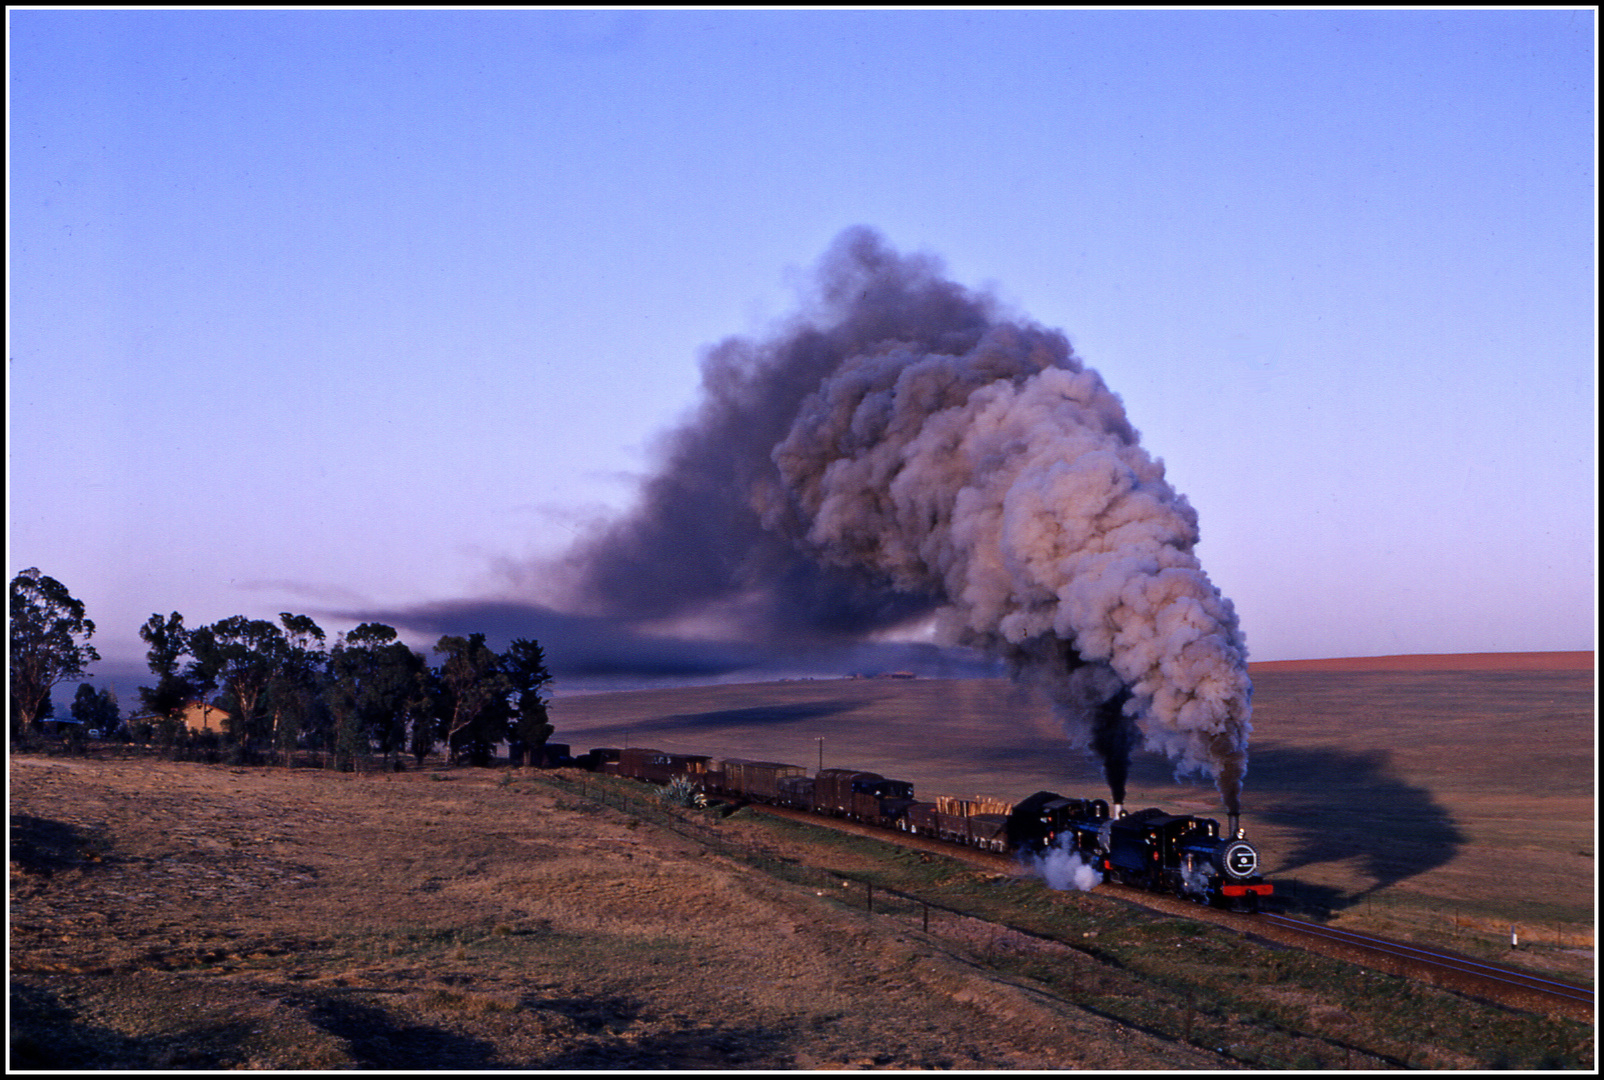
602 1020
589 1014
375 1040
726 1048
1344 805
44 847
44 1034
754 715
48 1035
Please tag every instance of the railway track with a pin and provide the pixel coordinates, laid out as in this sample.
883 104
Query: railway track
1458 972
1462 974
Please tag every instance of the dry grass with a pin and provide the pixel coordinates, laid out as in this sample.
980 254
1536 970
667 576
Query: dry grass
181 916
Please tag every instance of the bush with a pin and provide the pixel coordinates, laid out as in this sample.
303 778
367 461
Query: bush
680 791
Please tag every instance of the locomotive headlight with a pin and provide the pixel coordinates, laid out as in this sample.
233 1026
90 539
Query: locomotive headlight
1240 859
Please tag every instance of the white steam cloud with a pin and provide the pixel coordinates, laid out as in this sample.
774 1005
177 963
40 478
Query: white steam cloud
902 450
1064 869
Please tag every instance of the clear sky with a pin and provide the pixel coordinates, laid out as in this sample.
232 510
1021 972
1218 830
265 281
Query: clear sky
332 311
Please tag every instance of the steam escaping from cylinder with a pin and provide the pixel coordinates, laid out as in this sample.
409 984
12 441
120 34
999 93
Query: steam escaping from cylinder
1063 868
901 451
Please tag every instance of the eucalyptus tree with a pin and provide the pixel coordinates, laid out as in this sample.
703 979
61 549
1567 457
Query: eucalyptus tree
524 664
475 692
49 644
375 684
424 711
168 643
410 681
96 709
243 656
294 689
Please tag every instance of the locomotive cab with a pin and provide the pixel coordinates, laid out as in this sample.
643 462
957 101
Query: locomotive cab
1038 822
1139 848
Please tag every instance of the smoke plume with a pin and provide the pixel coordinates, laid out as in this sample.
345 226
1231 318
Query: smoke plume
902 451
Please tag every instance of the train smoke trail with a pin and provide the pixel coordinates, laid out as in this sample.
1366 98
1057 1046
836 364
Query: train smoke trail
901 450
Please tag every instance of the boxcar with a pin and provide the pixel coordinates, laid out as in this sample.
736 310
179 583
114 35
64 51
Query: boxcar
643 763
832 789
760 780
550 756
743 778
796 792
724 776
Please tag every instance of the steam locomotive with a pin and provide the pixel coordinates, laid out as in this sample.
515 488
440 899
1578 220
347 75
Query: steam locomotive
1183 855
1149 849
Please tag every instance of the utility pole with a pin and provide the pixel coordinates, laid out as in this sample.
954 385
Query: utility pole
820 740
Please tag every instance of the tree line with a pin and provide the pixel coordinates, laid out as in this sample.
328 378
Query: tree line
282 686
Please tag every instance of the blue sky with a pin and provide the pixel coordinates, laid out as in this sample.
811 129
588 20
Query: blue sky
331 311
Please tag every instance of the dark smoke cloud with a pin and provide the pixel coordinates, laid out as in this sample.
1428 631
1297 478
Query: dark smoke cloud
697 543
608 651
902 451
577 645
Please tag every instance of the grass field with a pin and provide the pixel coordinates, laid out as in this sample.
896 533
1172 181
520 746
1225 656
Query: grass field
1440 799
175 915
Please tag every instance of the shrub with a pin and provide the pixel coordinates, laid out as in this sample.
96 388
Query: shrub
680 791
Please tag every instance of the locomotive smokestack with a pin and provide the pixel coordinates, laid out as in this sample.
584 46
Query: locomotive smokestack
1234 826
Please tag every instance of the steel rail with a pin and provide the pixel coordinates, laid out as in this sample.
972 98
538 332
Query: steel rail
1463 965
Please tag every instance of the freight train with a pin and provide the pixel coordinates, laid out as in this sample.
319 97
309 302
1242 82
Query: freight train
1184 855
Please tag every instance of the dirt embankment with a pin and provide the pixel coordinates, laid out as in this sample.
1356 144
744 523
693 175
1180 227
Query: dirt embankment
169 915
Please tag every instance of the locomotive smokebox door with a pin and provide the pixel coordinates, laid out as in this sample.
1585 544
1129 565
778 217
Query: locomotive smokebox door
1241 860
